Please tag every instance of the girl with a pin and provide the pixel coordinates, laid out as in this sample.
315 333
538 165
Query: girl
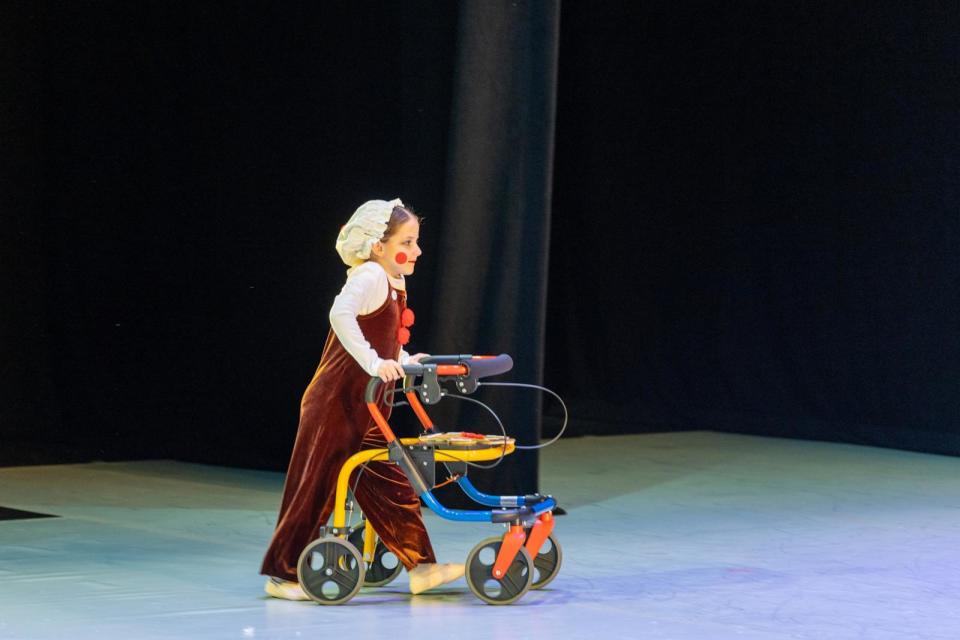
379 244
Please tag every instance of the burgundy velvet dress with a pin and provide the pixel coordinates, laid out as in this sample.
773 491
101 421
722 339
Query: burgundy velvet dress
334 425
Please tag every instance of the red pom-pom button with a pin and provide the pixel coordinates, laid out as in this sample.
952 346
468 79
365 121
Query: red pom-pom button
403 335
407 318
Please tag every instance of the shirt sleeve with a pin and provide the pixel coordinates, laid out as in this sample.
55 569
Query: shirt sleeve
364 291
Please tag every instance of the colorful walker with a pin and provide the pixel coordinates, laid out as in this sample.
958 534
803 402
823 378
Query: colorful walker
500 569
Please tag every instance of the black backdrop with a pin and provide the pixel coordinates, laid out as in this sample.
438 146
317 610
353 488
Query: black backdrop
760 211
755 215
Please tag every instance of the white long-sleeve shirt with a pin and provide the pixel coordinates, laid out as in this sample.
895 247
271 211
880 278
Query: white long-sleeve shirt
365 291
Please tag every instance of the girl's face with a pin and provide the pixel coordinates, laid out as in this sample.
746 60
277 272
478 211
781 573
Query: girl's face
398 254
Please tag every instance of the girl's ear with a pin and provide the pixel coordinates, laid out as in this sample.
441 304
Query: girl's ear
377 249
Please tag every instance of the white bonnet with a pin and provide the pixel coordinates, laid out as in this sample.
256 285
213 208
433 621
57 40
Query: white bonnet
365 228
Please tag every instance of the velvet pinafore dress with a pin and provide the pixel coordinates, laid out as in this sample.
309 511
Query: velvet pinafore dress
335 424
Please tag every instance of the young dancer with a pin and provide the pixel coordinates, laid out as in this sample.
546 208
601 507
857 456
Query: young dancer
380 245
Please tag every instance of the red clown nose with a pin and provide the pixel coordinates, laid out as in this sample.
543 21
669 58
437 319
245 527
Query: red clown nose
401 257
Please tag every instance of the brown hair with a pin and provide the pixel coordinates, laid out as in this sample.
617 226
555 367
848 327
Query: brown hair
398 216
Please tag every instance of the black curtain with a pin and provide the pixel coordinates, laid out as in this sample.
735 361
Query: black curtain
761 207
179 173
176 175
490 291
754 215
27 398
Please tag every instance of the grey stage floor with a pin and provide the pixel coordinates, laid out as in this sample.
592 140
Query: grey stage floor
684 535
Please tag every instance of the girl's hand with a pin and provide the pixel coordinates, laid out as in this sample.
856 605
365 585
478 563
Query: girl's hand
417 358
390 370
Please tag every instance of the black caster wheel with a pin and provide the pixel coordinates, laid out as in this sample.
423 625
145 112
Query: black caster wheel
506 590
330 570
384 568
546 565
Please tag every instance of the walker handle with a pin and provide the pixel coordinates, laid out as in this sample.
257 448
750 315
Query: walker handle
468 368
479 366
486 366
463 365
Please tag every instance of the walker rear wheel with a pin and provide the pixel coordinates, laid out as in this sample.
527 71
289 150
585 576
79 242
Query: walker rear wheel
479 573
546 565
330 570
385 566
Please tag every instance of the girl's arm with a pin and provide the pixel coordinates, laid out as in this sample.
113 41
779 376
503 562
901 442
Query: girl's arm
365 291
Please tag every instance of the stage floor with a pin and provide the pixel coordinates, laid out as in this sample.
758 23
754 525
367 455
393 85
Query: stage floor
682 535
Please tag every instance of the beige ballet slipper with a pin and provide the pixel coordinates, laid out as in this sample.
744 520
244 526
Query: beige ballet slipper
284 589
424 577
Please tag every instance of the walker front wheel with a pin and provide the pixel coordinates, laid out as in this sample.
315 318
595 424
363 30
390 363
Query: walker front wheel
546 565
330 570
385 566
479 573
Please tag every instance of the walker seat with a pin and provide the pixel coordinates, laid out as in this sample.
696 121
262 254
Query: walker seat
462 440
